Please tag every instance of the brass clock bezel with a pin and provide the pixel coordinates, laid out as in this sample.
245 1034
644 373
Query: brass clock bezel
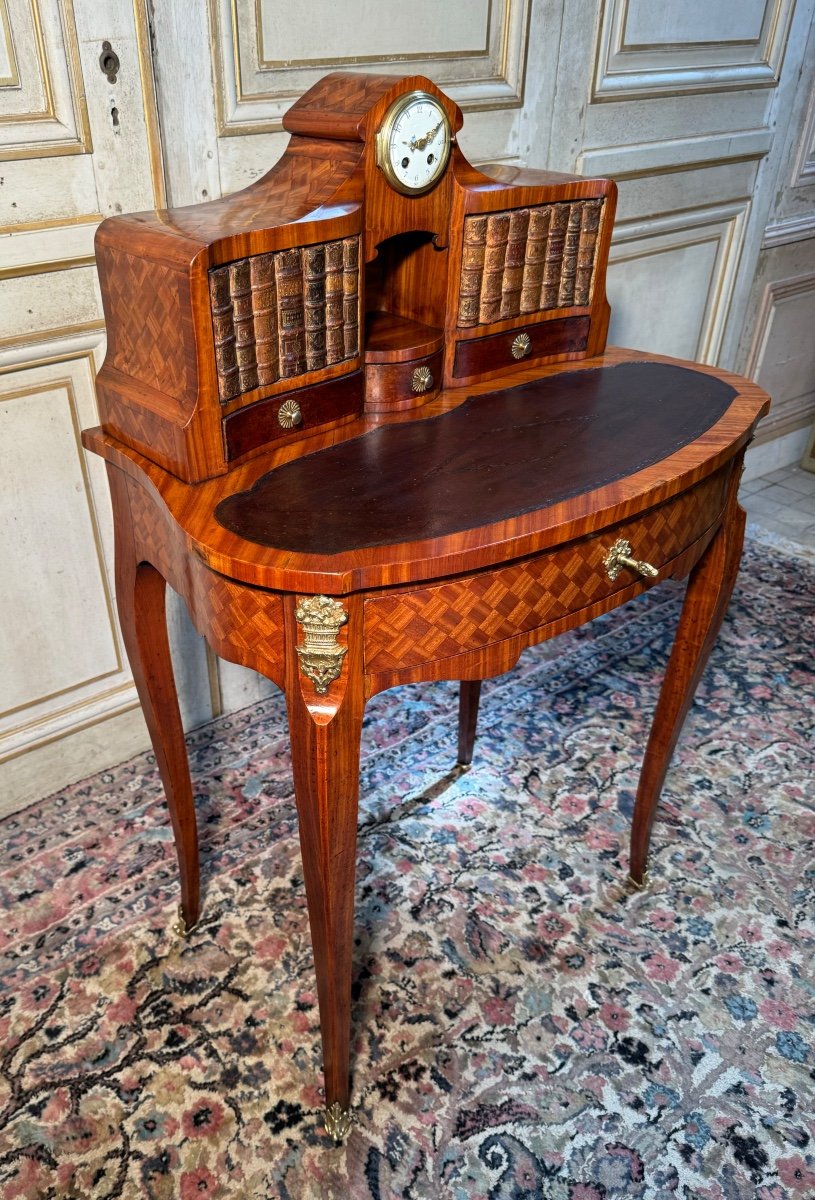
383 137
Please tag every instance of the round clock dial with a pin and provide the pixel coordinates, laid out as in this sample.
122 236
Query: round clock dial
413 143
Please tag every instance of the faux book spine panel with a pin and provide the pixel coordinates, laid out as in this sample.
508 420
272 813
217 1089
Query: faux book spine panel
278 315
527 260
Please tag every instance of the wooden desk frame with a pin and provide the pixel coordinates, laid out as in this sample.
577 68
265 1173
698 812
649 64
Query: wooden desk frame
319 305
248 605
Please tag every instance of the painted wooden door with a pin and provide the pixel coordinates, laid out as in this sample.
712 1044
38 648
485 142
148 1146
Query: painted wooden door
77 142
702 112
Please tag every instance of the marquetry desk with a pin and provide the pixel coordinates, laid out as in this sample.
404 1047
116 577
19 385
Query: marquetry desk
431 547
362 418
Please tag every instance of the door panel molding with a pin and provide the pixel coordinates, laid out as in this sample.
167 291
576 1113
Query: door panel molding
626 68
794 229
44 108
786 314
705 246
803 174
93 681
675 154
32 252
253 91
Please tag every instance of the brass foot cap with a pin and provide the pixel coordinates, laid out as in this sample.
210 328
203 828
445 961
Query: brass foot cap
337 1121
636 885
180 926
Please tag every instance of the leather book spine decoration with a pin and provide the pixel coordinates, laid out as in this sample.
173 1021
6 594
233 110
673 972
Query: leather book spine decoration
514 263
264 313
334 340
494 259
472 269
223 332
568 268
532 281
350 296
554 255
546 261
291 317
241 293
314 305
587 247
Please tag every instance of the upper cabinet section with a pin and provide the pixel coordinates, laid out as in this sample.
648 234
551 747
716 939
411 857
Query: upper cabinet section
372 266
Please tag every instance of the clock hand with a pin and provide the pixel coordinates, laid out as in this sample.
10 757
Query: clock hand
420 143
428 137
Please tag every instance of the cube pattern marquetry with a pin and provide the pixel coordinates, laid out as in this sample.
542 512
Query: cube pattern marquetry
242 624
144 306
405 629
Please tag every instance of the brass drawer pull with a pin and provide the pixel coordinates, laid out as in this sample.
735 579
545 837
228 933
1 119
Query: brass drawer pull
422 379
521 345
619 556
289 414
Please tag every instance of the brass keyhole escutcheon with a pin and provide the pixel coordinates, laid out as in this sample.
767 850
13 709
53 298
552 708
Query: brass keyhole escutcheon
521 345
109 62
289 414
422 379
619 556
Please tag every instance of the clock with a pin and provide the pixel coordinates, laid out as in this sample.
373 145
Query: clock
413 143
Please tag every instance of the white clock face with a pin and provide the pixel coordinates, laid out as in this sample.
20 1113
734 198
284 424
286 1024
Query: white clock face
414 142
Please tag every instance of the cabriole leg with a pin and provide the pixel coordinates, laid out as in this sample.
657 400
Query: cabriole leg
140 600
706 600
325 722
469 695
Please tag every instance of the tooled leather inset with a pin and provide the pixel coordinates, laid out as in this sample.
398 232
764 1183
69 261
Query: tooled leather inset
497 456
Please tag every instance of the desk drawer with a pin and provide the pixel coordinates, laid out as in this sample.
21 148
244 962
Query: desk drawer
288 415
521 346
406 628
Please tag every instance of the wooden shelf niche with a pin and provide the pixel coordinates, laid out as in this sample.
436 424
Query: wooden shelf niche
405 293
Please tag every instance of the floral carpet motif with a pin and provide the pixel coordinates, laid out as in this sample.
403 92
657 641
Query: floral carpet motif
524 1026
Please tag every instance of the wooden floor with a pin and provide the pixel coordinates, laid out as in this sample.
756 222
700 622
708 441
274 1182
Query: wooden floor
784 502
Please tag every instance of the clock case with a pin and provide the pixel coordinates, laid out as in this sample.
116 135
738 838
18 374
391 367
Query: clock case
322 289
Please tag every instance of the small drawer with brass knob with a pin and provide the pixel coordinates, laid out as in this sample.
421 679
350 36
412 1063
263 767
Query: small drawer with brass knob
289 414
393 386
482 356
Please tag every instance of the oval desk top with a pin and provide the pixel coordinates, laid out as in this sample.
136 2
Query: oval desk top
499 455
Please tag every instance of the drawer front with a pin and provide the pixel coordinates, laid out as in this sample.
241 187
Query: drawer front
290 414
406 628
392 387
522 346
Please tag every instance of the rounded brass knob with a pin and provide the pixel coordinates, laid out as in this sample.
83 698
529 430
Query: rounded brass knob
521 345
421 379
289 414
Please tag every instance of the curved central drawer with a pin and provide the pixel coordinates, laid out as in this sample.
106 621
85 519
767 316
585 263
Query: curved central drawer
406 628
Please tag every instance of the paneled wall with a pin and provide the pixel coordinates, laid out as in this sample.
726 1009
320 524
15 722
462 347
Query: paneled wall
76 147
704 113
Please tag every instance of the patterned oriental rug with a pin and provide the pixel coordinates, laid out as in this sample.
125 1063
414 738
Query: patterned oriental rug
525 1027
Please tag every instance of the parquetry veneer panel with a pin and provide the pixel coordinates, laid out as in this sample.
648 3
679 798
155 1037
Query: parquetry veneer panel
424 624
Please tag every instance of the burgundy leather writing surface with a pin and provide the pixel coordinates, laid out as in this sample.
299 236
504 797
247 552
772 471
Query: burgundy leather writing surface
496 456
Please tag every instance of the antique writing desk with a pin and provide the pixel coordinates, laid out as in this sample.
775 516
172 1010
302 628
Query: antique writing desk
361 416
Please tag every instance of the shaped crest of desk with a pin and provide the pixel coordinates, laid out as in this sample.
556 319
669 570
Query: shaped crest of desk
361 415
